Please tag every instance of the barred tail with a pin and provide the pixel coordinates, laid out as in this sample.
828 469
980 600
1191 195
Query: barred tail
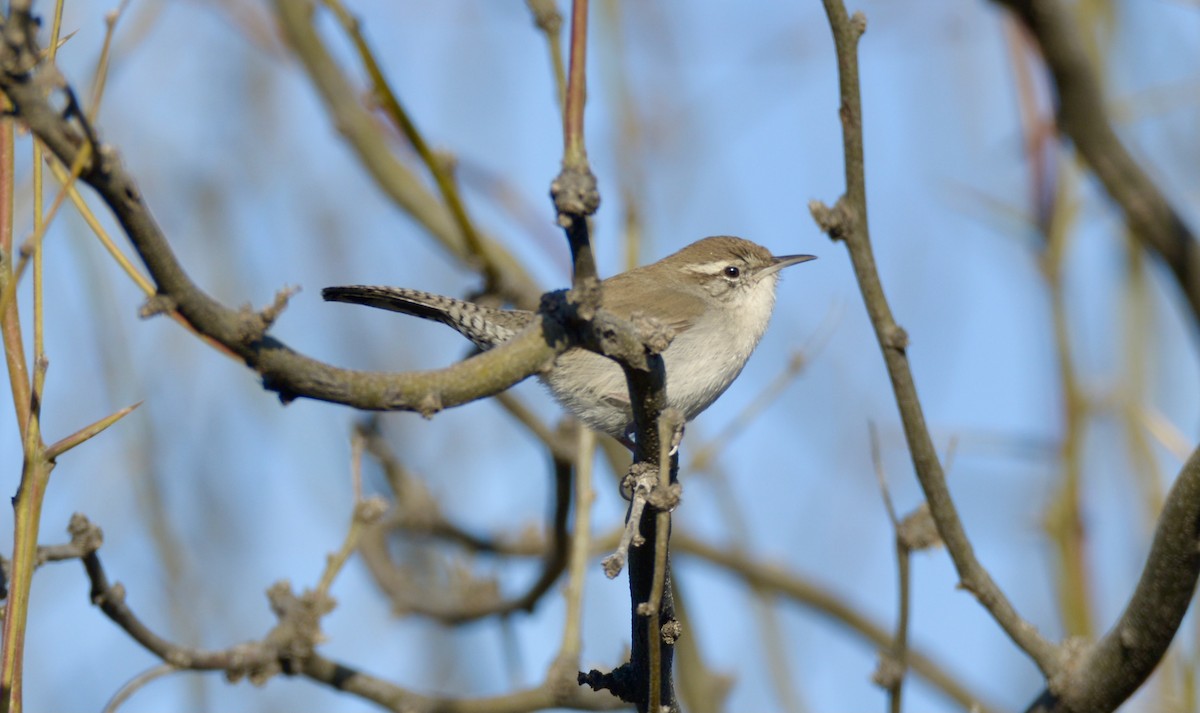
397 299
485 326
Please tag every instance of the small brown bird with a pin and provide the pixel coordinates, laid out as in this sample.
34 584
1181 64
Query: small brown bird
716 295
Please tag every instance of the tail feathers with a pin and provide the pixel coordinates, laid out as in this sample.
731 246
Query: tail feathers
396 299
485 326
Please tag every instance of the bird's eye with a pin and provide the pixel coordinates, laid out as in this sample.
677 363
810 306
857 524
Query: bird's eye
732 272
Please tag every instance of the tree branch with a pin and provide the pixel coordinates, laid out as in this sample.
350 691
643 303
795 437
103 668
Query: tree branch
30 86
1083 117
847 221
1108 672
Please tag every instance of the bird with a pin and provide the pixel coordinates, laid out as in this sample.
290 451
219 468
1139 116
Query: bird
715 295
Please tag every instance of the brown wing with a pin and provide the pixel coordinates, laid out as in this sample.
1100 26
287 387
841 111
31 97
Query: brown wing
658 298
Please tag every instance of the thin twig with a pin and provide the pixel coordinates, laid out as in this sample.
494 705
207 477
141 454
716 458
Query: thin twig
777 580
577 558
548 19
893 665
136 684
437 166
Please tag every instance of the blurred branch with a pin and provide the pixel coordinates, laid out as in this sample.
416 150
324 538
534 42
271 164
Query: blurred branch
566 664
362 131
290 648
701 688
893 663
777 649
778 581
548 19
137 683
244 331
415 511
704 455
847 221
558 442
1083 117
1108 672
438 166
1064 519
1056 209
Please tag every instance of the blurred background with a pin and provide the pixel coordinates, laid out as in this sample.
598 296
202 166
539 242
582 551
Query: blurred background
703 118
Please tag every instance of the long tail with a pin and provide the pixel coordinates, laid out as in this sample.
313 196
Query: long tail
485 326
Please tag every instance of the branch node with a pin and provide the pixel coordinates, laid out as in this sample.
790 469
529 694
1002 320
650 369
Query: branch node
84 535
371 510
671 630
271 312
618 682
918 531
834 222
889 673
575 194
664 499
546 16
291 643
114 594
252 325
157 304
1070 653
896 338
858 23
429 405
23 55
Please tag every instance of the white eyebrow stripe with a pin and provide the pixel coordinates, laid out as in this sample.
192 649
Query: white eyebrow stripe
711 268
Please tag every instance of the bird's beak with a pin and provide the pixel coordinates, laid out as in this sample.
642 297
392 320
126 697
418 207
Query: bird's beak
782 261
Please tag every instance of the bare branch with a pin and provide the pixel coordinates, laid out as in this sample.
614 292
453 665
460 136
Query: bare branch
243 331
847 221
